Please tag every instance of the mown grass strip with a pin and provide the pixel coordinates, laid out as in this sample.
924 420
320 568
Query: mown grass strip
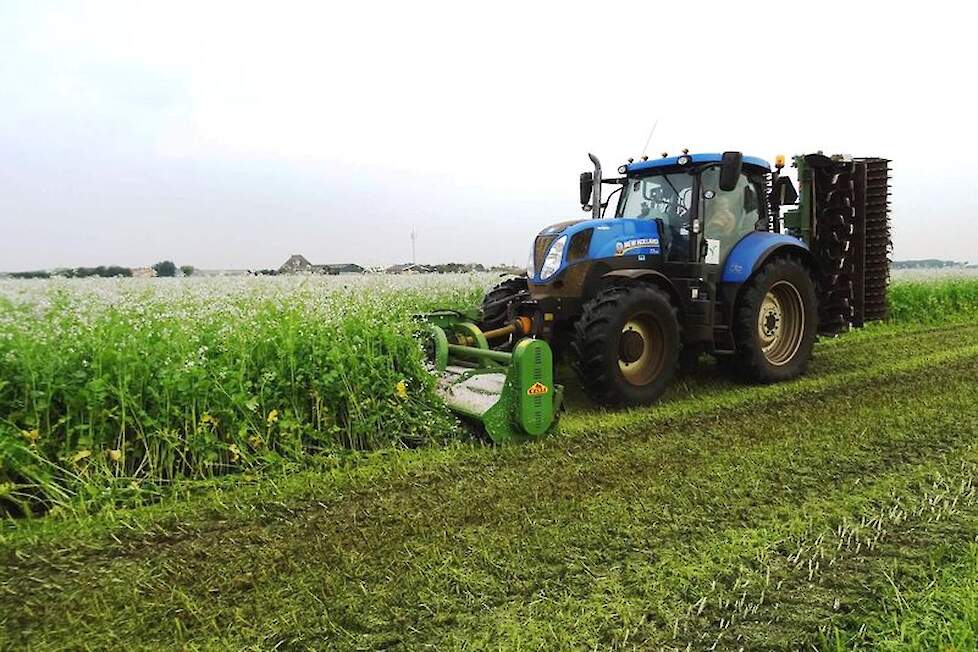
838 368
741 483
940 611
825 570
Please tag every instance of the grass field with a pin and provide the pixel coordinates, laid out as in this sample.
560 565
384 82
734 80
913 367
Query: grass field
837 511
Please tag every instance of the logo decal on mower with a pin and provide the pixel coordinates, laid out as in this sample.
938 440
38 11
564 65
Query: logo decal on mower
537 389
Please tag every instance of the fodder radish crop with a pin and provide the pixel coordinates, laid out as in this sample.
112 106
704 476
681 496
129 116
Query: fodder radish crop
105 383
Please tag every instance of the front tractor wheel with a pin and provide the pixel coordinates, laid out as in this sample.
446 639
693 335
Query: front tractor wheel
495 305
627 345
776 322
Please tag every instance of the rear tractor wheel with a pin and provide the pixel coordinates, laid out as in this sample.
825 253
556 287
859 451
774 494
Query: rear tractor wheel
776 322
627 345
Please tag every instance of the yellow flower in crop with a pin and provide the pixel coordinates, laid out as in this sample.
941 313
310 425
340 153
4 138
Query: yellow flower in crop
31 435
80 455
208 420
272 417
401 389
235 452
255 441
115 455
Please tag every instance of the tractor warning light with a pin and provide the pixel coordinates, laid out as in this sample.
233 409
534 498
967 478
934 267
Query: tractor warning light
779 161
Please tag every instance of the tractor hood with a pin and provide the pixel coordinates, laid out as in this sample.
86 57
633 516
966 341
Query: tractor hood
560 227
566 243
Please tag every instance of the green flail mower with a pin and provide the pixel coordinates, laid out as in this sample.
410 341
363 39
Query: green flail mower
510 393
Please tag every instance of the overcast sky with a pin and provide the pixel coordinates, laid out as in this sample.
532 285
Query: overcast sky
230 135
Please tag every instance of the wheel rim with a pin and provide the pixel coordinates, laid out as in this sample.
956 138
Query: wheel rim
640 350
781 323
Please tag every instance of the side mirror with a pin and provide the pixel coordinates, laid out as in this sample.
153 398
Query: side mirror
784 191
587 184
730 168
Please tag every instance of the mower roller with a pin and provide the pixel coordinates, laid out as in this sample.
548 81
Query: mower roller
510 393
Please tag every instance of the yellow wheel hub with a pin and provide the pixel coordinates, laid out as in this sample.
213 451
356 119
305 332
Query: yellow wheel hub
781 323
641 353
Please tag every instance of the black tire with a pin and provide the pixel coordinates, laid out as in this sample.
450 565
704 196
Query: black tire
495 305
624 326
776 321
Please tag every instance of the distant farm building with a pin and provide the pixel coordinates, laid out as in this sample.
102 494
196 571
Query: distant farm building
299 264
409 268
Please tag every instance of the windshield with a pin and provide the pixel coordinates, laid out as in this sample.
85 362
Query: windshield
667 197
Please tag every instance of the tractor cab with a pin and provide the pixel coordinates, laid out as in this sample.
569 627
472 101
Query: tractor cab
700 221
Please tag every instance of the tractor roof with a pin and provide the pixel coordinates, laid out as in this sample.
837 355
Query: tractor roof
712 157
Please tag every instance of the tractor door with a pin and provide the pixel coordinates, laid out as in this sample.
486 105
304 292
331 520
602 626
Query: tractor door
727 217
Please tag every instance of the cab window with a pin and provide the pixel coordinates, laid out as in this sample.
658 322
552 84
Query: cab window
666 197
727 216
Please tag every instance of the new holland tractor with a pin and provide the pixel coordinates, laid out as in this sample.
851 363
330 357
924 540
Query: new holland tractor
686 255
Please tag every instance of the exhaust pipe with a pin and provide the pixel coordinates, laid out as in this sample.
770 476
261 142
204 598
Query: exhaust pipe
596 187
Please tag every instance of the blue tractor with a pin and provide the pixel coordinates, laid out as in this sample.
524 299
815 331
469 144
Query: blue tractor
690 254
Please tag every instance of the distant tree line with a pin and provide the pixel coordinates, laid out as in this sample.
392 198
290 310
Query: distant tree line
36 274
167 268
163 268
104 271
926 263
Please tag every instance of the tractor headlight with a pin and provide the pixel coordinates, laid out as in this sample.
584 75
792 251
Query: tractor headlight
554 257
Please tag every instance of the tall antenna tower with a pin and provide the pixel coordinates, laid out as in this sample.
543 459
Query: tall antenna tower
414 237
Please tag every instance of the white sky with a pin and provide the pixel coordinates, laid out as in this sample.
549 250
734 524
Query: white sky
230 135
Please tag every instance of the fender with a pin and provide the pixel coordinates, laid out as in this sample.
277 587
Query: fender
648 276
636 274
753 250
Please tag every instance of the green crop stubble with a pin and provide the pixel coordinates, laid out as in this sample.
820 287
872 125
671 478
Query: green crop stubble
648 531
